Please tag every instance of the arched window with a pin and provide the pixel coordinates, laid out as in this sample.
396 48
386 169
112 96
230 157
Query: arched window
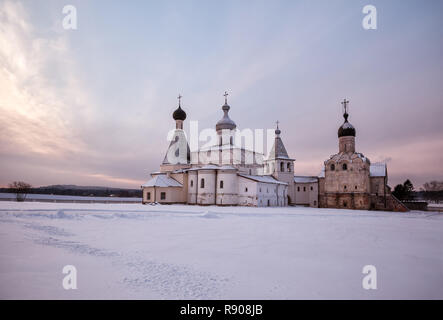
246 189
202 183
332 167
345 187
282 167
304 189
192 183
221 184
289 167
298 189
345 166
231 141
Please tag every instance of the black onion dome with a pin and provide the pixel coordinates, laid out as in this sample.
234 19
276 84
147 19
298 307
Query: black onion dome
346 128
179 114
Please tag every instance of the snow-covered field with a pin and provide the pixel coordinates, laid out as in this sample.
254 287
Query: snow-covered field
189 252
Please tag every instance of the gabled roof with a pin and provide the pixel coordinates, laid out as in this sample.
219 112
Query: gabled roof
162 181
264 179
378 169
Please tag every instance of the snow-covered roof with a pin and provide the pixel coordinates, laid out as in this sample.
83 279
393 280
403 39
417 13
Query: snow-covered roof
162 180
377 169
263 179
305 179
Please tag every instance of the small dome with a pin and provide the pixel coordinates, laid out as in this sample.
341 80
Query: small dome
225 122
179 114
346 128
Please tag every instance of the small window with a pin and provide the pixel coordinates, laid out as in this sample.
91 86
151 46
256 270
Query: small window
345 204
355 187
289 167
260 189
282 166
192 183
345 187
246 189
304 189
298 189
162 195
315 203
312 188
345 166
202 183
221 184
231 141
148 196
332 167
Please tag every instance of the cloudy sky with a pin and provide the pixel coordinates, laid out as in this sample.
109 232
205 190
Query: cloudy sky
93 106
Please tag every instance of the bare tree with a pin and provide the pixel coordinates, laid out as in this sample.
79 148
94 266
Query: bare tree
21 189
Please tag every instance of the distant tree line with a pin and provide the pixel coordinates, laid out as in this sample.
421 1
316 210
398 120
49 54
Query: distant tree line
21 189
431 191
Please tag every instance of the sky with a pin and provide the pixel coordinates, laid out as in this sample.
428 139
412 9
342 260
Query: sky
93 106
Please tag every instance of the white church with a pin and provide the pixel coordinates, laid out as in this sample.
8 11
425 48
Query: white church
227 174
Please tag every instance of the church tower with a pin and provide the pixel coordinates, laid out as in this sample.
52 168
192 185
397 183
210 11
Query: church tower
346 133
225 127
280 166
347 182
178 154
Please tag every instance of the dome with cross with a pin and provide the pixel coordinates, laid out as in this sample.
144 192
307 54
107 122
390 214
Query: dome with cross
179 114
225 122
346 129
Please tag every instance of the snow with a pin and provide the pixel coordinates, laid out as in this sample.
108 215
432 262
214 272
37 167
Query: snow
162 180
140 251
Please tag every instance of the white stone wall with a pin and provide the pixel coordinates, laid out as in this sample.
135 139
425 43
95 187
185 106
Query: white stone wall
206 195
306 194
228 195
172 195
247 192
192 187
